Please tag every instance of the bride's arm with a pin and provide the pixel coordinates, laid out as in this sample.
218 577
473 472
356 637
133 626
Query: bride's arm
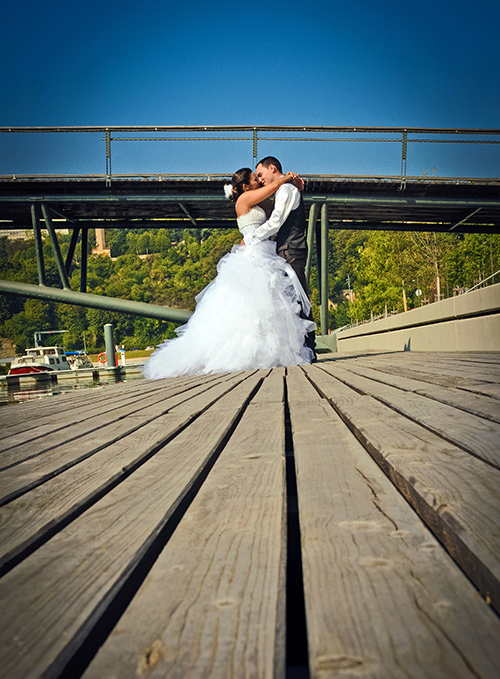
250 198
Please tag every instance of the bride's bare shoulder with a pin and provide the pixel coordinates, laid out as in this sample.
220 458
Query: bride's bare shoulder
243 207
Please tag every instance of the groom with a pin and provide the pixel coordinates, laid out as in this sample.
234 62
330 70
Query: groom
287 223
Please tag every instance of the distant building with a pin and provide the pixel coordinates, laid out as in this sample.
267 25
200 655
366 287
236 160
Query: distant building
16 234
25 234
101 248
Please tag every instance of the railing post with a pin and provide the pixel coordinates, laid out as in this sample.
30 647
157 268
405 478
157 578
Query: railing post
404 144
313 218
324 270
254 147
55 246
108 158
35 216
83 262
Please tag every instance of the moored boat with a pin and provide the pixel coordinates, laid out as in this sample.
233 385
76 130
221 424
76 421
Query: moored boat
39 360
79 360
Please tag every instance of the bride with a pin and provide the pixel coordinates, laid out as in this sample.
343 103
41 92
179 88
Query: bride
248 316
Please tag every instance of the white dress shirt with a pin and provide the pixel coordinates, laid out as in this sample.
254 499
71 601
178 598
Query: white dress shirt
287 198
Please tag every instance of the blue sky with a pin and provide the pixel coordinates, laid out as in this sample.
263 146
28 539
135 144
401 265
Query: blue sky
314 62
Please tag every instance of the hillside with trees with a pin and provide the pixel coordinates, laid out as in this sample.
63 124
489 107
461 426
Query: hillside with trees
369 273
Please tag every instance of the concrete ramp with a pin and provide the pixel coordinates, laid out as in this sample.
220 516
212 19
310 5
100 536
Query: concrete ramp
468 322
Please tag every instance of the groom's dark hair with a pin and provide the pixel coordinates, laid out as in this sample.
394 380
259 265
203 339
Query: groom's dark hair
271 160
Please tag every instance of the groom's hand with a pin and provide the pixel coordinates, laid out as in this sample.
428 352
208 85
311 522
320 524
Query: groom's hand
296 180
299 183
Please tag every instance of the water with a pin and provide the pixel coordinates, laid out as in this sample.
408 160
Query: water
30 389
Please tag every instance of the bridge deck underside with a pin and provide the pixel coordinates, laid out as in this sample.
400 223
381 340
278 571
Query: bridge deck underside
355 203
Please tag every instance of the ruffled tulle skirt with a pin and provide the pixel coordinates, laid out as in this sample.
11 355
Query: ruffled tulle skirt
247 318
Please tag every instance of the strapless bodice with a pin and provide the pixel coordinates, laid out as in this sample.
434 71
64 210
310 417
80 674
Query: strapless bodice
251 220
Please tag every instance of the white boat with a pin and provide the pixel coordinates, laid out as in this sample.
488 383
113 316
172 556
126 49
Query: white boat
39 360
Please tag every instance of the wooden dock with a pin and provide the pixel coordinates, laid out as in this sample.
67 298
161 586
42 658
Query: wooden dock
335 520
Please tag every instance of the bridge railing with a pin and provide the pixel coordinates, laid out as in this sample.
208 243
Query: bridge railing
153 152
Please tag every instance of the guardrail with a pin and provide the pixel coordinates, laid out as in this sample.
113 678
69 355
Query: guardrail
170 151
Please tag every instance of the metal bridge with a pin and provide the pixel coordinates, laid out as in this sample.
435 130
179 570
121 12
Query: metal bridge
414 179
174 175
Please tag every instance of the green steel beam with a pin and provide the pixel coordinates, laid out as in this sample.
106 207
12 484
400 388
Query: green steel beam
324 270
35 216
83 263
313 218
55 246
188 214
95 301
412 201
71 250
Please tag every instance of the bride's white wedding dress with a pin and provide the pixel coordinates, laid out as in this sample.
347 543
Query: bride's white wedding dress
246 318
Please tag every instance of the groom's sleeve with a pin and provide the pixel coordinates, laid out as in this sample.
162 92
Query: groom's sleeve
287 198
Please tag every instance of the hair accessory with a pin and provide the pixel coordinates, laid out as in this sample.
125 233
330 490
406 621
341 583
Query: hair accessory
228 190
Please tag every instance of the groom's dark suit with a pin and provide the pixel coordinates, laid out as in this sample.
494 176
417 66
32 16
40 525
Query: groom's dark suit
291 244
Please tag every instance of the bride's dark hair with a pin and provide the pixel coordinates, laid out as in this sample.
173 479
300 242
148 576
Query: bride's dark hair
239 178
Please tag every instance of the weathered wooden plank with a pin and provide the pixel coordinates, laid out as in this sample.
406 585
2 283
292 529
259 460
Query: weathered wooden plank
450 366
54 598
158 402
21 436
421 369
455 493
57 457
212 604
472 433
30 519
52 406
381 593
477 404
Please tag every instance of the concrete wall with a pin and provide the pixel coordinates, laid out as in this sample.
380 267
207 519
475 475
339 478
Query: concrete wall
469 322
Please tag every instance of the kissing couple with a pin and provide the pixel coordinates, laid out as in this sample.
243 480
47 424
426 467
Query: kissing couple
255 313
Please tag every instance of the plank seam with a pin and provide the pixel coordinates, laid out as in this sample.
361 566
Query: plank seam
297 648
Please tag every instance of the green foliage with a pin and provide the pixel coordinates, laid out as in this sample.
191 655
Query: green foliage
170 267
437 264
